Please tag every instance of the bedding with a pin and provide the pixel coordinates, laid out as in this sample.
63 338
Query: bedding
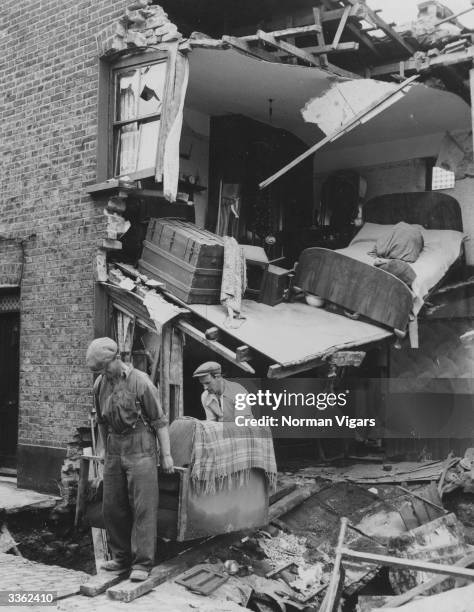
441 249
403 242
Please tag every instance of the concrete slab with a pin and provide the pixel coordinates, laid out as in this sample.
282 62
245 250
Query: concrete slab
14 500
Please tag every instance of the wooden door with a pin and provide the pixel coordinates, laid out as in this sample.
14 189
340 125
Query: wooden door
9 387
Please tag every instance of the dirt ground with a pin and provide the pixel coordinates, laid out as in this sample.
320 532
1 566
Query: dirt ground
50 538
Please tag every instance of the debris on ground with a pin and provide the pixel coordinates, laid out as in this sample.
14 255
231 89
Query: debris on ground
395 530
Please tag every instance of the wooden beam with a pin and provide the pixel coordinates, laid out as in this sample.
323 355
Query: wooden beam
217 347
454 17
317 16
349 125
422 566
343 359
341 48
340 27
244 47
413 65
407 596
296 31
364 38
280 371
212 333
373 17
243 353
287 48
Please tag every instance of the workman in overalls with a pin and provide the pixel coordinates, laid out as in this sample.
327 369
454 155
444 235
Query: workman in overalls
131 419
219 396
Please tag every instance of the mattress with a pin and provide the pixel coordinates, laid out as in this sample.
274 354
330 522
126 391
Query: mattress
441 249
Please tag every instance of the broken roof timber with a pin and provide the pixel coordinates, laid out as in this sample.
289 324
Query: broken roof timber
296 31
301 54
244 47
417 65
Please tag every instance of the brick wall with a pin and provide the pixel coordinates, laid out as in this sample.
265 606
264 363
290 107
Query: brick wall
48 131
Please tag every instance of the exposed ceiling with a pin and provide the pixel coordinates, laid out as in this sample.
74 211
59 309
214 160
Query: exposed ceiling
228 82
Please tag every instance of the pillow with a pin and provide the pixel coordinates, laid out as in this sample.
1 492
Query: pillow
449 241
403 241
370 232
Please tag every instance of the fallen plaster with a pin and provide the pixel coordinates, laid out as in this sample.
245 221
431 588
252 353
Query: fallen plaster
343 101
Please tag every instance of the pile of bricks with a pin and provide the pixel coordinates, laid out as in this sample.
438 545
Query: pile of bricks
142 25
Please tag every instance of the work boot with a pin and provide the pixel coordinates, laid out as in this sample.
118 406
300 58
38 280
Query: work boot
139 575
115 566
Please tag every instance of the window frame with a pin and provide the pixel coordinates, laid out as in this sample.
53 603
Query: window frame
107 124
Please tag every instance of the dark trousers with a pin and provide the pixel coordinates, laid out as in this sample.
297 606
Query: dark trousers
130 502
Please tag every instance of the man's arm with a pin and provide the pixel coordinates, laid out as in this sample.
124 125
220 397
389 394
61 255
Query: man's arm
165 452
159 420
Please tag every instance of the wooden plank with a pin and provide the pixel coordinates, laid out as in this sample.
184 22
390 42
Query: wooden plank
99 541
372 16
320 49
317 16
422 566
287 48
414 65
219 348
331 593
101 582
364 38
340 27
349 125
128 591
293 31
399 600
81 489
290 501
244 47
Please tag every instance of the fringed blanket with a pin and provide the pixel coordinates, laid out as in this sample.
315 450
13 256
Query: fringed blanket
223 455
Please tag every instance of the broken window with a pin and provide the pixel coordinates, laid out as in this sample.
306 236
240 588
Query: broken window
136 104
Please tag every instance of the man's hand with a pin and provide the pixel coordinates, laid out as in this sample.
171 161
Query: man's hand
167 463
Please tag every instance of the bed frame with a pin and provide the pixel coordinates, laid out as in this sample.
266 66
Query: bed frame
367 290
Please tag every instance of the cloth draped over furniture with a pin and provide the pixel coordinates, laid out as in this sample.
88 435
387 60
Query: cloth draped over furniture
221 455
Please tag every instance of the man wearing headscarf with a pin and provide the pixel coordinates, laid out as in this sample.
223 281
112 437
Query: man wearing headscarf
131 419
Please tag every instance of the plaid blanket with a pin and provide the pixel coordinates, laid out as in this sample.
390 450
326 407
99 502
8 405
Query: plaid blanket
223 455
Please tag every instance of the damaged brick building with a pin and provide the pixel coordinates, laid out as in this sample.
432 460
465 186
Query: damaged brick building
70 163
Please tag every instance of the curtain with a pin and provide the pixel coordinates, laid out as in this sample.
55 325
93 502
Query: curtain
167 159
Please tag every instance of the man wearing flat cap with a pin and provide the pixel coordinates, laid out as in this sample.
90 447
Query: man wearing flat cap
131 419
218 397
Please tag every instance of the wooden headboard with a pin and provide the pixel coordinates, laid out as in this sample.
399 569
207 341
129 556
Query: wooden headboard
431 209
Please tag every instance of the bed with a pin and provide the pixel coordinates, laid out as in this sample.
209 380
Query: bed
348 278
